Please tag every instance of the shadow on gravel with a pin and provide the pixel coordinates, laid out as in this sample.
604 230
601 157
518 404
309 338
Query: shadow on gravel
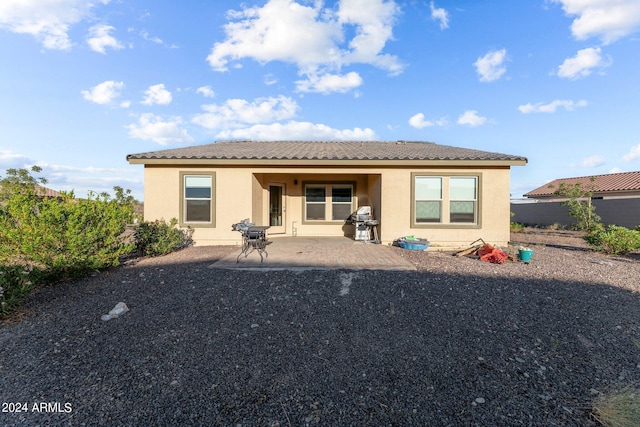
279 348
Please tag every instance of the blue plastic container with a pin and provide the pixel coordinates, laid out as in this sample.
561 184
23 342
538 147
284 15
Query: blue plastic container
415 245
525 255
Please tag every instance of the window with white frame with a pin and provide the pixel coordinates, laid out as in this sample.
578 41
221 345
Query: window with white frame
198 199
328 202
315 202
428 199
341 202
463 195
445 200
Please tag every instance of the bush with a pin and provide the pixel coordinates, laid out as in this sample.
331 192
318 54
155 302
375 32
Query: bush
517 227
613 239
160 238
64 236
16 281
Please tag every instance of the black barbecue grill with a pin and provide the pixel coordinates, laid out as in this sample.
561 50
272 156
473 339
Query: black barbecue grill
254 238
364 223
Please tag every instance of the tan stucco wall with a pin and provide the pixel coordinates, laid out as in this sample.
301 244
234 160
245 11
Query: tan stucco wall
242 192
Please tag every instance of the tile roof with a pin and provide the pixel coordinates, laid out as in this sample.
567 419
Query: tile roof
45 192
324 150
612 182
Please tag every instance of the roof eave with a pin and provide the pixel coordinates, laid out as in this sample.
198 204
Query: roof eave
327 162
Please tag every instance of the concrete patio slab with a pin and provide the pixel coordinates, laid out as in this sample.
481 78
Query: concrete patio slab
318 253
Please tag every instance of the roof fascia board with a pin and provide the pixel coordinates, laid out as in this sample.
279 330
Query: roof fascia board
341 163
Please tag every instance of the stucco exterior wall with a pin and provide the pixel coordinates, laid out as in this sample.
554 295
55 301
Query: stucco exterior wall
242 192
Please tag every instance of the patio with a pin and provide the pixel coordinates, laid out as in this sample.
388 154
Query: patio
318 253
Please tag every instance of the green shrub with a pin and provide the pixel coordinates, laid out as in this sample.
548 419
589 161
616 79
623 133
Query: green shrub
613 239
65 236
160 238
16 281
517 227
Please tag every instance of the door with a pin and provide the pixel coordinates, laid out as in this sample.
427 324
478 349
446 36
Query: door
277 208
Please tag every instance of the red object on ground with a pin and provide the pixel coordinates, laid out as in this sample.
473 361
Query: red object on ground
491 254
486 249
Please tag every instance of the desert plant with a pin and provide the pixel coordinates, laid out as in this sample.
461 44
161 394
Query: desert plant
156 238
16 281
65 236
517 227
20 181
579 204
613 239
618 408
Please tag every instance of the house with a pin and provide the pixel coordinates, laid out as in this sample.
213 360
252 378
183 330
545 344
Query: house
43 192
451 196
615 196
608 186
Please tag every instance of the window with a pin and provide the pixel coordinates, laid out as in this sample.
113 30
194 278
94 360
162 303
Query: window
316 200
462 199
341 202
197 199
328 202
428 197
445 200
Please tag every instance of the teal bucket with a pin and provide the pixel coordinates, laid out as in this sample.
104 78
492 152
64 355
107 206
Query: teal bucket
525 255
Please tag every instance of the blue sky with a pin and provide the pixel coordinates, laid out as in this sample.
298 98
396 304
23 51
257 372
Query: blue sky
83 83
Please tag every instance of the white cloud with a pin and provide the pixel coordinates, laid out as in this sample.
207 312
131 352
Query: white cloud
608 19
270 79
633 154
552 106
582 64
373 21
48 21
310 36
418 121
99 39
104 93
294 130
592 162
328 83
239 112
441 15
490 67
145 35
471 118
157 94
206 91
90 178
153 128
157 40
11 160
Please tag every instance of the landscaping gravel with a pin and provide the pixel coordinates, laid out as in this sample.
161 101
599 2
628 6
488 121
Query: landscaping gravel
457 342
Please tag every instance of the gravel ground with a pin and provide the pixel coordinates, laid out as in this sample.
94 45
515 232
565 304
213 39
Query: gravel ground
458 342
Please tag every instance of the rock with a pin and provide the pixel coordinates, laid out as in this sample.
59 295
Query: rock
480 400
116 311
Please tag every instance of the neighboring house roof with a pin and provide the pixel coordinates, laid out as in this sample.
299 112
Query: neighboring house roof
45 192
608 183
322 151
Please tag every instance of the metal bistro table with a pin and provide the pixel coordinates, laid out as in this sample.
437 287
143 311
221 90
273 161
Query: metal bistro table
254 238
